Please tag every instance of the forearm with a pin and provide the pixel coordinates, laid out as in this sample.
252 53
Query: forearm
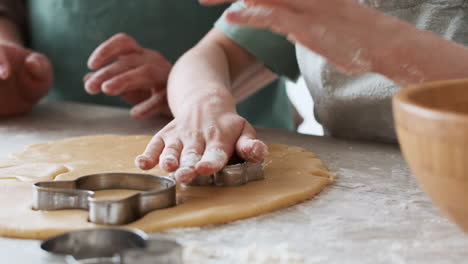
251 80
416 56
358 39
223 71
200 78
373 41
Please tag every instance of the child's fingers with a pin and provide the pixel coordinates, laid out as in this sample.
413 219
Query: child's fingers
136 96
150 156
248 147
150 106
191 155
115 47
148 75
94 84
213 160
169 159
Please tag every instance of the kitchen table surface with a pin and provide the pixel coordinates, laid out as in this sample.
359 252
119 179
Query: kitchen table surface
374 213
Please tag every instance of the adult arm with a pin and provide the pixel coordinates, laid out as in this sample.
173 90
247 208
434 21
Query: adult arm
358 39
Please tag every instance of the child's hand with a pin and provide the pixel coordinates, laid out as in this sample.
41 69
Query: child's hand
343 31
201 142
25 76
125 68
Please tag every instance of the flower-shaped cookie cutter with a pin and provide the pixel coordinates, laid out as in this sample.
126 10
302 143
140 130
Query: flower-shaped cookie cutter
156 193
236 173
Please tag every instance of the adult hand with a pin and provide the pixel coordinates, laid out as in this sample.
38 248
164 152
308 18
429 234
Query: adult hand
25 77
201 142
343 31
122 67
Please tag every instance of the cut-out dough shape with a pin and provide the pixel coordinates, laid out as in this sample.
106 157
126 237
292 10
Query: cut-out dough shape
33 171
292 175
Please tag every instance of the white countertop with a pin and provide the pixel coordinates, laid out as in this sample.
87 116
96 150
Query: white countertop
374 213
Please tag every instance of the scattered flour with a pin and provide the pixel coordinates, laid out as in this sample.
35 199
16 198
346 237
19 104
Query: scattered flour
277 254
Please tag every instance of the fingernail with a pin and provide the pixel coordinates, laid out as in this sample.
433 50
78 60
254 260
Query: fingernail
233 16
183 175
35 66
113 91
3 73
92 64
90 88
87 77
106 90
143 162
135 113
169 163
259 149
203 168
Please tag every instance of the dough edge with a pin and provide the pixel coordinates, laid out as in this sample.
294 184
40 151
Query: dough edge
284 202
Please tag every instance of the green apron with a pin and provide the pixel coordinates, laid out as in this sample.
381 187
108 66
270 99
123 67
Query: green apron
67 31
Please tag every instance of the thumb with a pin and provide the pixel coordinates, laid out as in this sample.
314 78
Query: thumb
38 66
248 147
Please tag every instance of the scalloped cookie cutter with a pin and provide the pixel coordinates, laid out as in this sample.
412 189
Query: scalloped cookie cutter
156 193
232 175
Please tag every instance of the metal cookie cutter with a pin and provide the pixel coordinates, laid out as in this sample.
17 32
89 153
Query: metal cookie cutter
236 173
112 246
157 193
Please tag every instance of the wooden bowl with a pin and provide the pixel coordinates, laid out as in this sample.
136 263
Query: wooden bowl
432 126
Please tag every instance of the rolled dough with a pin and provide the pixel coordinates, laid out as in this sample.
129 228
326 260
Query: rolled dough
292 175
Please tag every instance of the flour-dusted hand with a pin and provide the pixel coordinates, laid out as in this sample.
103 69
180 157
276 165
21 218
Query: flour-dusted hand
122 67
25 77
206 129
201 143
343 31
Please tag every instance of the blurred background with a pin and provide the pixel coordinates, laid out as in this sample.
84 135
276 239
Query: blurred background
300 97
